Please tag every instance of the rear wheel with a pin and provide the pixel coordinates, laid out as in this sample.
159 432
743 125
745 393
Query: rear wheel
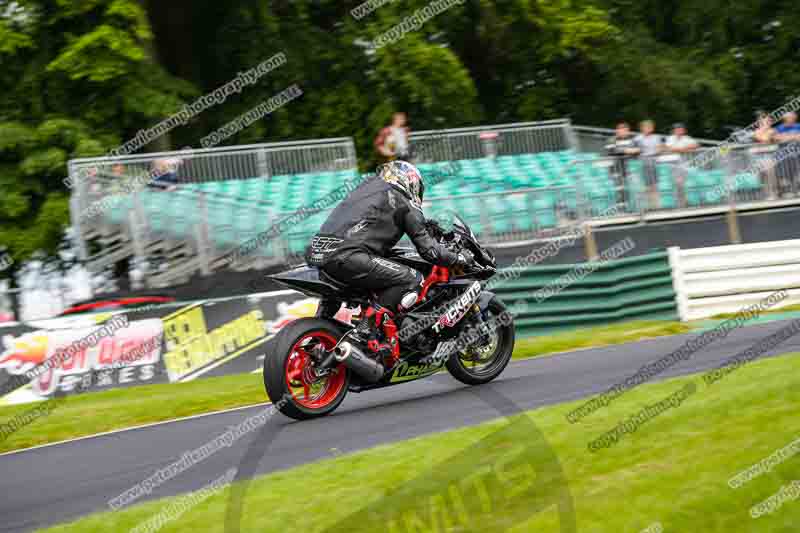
293 382
484 361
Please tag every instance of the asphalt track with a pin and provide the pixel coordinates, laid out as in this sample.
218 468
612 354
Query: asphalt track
54 484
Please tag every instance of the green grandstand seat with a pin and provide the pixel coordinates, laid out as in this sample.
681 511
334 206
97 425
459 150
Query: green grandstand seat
181 224
470 210
520 211
667 199
297 243
694 186
499 214
747 181
543 211
666 190
222 228
119 214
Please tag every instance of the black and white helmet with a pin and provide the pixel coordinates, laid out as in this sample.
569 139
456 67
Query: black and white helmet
405 176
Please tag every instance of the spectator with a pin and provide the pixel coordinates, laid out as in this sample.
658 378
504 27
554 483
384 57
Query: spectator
118 178
623 143
92 180
763 157
118 170
623 147
649 142
764 132
787 133
789 129
650 145
164 174
392 141
679 142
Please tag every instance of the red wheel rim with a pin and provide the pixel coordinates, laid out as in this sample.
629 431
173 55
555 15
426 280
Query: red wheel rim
306 389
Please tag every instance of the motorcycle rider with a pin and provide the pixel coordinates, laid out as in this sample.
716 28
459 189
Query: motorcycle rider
352 245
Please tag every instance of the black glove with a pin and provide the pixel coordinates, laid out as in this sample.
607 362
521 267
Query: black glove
434 229
465 259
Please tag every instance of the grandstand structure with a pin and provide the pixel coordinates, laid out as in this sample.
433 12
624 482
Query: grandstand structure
511 183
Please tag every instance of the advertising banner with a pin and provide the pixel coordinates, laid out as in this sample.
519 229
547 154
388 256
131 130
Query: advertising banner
174 343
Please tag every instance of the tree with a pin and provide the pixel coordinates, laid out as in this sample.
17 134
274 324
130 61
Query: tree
78 80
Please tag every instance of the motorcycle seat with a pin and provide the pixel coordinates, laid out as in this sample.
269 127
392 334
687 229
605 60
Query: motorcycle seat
344 287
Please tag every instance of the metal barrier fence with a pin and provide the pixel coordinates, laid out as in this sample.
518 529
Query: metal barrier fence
519 180
640 184
224 163
491 141
698 179
593 187
120 185
594 140
770 171
93 179
515 215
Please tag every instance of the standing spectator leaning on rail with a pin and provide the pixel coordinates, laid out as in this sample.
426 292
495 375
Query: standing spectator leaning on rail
650 145
680 143
788 130
623 147
764 156
392 141
787 134
764 131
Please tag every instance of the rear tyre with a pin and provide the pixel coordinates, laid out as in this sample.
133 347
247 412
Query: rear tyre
290 377
476 366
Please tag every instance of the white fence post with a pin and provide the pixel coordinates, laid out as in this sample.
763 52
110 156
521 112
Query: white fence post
674 254
724 279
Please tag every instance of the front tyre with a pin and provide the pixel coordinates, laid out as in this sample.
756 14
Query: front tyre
477 365
291 379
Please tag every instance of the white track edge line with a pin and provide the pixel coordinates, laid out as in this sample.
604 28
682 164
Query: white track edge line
132 428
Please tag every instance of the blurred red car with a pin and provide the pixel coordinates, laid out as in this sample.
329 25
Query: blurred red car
117 304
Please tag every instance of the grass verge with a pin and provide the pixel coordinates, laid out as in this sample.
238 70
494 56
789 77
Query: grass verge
596 336
673 470
786 309
92 413
88 414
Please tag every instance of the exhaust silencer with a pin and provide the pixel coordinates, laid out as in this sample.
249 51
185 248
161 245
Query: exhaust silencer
355 360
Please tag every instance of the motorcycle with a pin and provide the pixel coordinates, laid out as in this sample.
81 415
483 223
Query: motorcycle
455 324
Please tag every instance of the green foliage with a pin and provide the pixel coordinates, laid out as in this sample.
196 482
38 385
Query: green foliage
80 78
68 70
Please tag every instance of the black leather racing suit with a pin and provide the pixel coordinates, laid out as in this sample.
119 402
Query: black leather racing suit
352 244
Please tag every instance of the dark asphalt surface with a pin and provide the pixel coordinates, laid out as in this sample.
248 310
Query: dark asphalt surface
54 484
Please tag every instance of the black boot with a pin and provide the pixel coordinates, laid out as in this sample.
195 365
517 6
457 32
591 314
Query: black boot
370 331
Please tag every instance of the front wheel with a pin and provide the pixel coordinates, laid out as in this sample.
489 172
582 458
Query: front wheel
293 383
485 360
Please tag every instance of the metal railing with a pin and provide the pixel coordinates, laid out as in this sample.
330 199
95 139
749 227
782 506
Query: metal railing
491 141
775 168
703 178
594 140
225 163
105 176
509 184
641 184
516 215
169 203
